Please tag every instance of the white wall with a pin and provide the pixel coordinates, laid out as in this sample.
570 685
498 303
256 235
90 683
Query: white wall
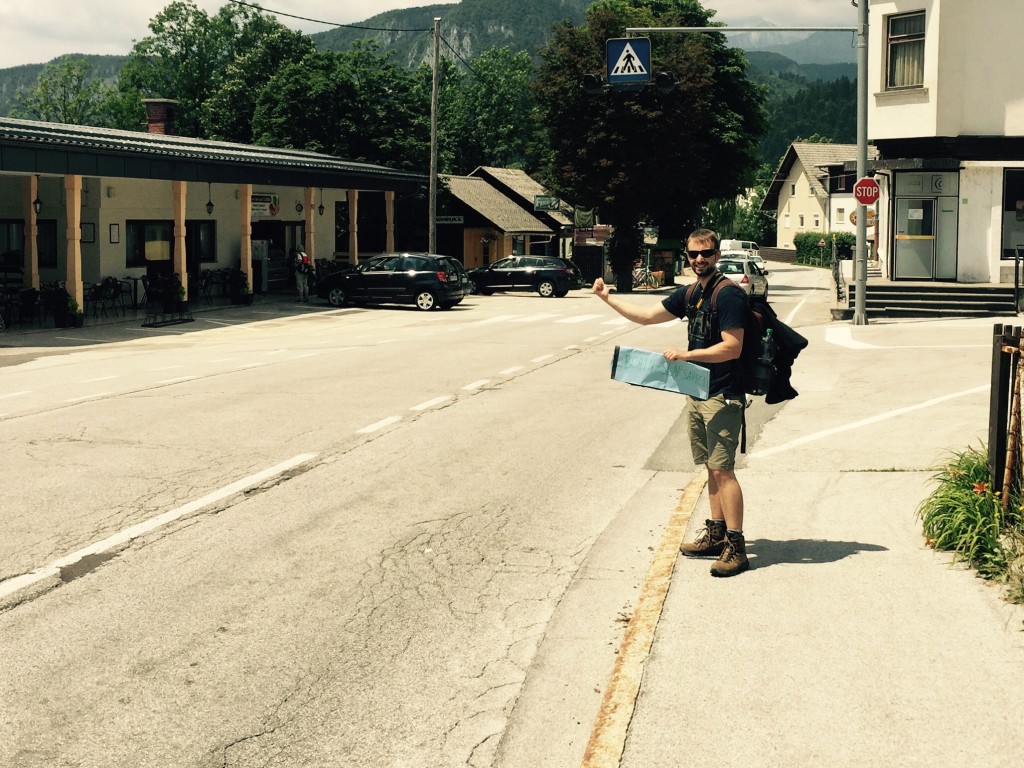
975 46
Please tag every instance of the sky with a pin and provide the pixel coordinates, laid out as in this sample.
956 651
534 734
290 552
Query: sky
36 31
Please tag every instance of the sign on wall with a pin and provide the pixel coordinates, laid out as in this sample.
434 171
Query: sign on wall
265 205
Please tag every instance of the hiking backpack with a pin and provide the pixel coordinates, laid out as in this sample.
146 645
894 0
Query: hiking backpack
769 345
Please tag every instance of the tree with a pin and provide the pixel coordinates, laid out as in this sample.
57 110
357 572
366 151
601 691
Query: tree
212 65
646 155
491 116
64 93
358 105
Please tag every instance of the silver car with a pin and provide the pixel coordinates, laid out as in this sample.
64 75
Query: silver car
746 275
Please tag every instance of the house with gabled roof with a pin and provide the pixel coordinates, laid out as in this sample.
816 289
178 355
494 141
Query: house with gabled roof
482 223
812 191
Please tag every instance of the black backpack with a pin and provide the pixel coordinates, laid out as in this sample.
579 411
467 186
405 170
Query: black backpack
762 371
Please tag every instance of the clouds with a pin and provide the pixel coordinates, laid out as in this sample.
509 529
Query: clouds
37 31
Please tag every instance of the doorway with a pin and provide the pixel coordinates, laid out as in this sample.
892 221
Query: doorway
925 232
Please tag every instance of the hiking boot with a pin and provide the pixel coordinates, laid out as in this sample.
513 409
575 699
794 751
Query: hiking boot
709 542
733 559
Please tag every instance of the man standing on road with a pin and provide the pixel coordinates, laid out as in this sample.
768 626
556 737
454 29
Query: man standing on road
715 343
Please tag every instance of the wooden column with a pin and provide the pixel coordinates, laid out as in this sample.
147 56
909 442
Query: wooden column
31 265
73 208
245 250
353 225
310 244
389 213
179 195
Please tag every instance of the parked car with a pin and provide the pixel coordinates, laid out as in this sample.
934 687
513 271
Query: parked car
744 256
427 280
746 275
546 275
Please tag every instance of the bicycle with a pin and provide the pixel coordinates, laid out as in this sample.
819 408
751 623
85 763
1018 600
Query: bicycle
644 278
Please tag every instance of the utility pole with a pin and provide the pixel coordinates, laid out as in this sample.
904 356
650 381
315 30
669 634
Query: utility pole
860 257
432 225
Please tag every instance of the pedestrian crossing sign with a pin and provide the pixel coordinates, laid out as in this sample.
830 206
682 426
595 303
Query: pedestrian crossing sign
628 60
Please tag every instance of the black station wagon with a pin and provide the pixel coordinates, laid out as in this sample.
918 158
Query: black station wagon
428 280
546 275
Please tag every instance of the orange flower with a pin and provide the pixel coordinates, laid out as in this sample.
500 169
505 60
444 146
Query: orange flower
981 488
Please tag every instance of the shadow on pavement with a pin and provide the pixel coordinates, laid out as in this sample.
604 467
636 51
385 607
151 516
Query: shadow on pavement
765 552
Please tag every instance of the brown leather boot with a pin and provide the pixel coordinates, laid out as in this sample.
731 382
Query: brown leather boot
733 559
709 541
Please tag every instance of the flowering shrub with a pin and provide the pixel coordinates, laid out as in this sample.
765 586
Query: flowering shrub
962 515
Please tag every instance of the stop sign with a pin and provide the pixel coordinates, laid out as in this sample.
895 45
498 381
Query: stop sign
866 191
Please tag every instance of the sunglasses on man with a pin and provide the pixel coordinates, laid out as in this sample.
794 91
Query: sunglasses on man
707 253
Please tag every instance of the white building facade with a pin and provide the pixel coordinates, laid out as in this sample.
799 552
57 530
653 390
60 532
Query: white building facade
946 113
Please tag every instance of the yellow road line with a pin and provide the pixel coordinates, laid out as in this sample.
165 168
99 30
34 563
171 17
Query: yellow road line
608 737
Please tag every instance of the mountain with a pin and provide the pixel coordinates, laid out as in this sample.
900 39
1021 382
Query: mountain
469 28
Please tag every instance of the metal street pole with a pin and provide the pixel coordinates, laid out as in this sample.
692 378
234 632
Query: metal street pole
432 206
860 261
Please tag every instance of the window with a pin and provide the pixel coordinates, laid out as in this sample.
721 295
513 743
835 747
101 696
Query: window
12 244
201 239
801 220
905 51
841 182
146 241
840 215
785 221
46 243
792 189
1013 212
817 221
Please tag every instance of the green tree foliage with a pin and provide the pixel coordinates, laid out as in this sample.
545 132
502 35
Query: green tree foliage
644 154
65 92
491 114
192 57
825 109
358 105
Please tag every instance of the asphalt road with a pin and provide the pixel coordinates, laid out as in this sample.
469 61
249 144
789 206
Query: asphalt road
324 537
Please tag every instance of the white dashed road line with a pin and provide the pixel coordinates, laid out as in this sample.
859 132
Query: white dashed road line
476 384
431 403
378 425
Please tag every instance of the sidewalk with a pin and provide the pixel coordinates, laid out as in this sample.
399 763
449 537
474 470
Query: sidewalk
849 642
29 334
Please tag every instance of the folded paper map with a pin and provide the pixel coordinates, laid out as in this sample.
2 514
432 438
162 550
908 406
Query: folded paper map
651 369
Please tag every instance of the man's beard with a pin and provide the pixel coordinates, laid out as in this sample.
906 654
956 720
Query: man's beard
702 270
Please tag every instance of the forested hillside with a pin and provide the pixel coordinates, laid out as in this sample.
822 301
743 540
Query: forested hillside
469 27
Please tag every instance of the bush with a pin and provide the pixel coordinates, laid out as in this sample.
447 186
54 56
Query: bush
809 252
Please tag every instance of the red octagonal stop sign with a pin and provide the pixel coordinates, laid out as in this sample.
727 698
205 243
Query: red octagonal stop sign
866 191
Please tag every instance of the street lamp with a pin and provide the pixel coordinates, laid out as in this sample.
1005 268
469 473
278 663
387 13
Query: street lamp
37 204
209 198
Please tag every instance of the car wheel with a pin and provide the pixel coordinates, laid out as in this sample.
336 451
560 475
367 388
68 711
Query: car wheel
561 294
546 289
765 294
336 297
474 287
426 301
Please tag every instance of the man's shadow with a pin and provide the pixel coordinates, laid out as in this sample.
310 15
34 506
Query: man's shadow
766 552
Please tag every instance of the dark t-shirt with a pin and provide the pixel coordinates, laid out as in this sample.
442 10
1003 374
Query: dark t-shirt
729 313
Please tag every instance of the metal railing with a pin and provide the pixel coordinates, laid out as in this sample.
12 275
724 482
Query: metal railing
1004 423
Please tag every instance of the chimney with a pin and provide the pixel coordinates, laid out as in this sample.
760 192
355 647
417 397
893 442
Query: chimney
160 115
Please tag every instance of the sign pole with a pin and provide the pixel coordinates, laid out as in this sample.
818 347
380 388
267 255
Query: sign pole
432 204
860 259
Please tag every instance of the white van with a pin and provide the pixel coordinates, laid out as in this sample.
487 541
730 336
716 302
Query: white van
748 246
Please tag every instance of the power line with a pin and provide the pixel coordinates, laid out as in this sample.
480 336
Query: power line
321 21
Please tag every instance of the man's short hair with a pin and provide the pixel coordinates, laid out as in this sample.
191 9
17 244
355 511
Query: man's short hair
707 235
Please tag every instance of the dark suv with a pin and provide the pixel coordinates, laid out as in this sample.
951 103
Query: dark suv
427 280
546 275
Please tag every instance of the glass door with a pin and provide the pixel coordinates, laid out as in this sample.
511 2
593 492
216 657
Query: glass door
915 239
